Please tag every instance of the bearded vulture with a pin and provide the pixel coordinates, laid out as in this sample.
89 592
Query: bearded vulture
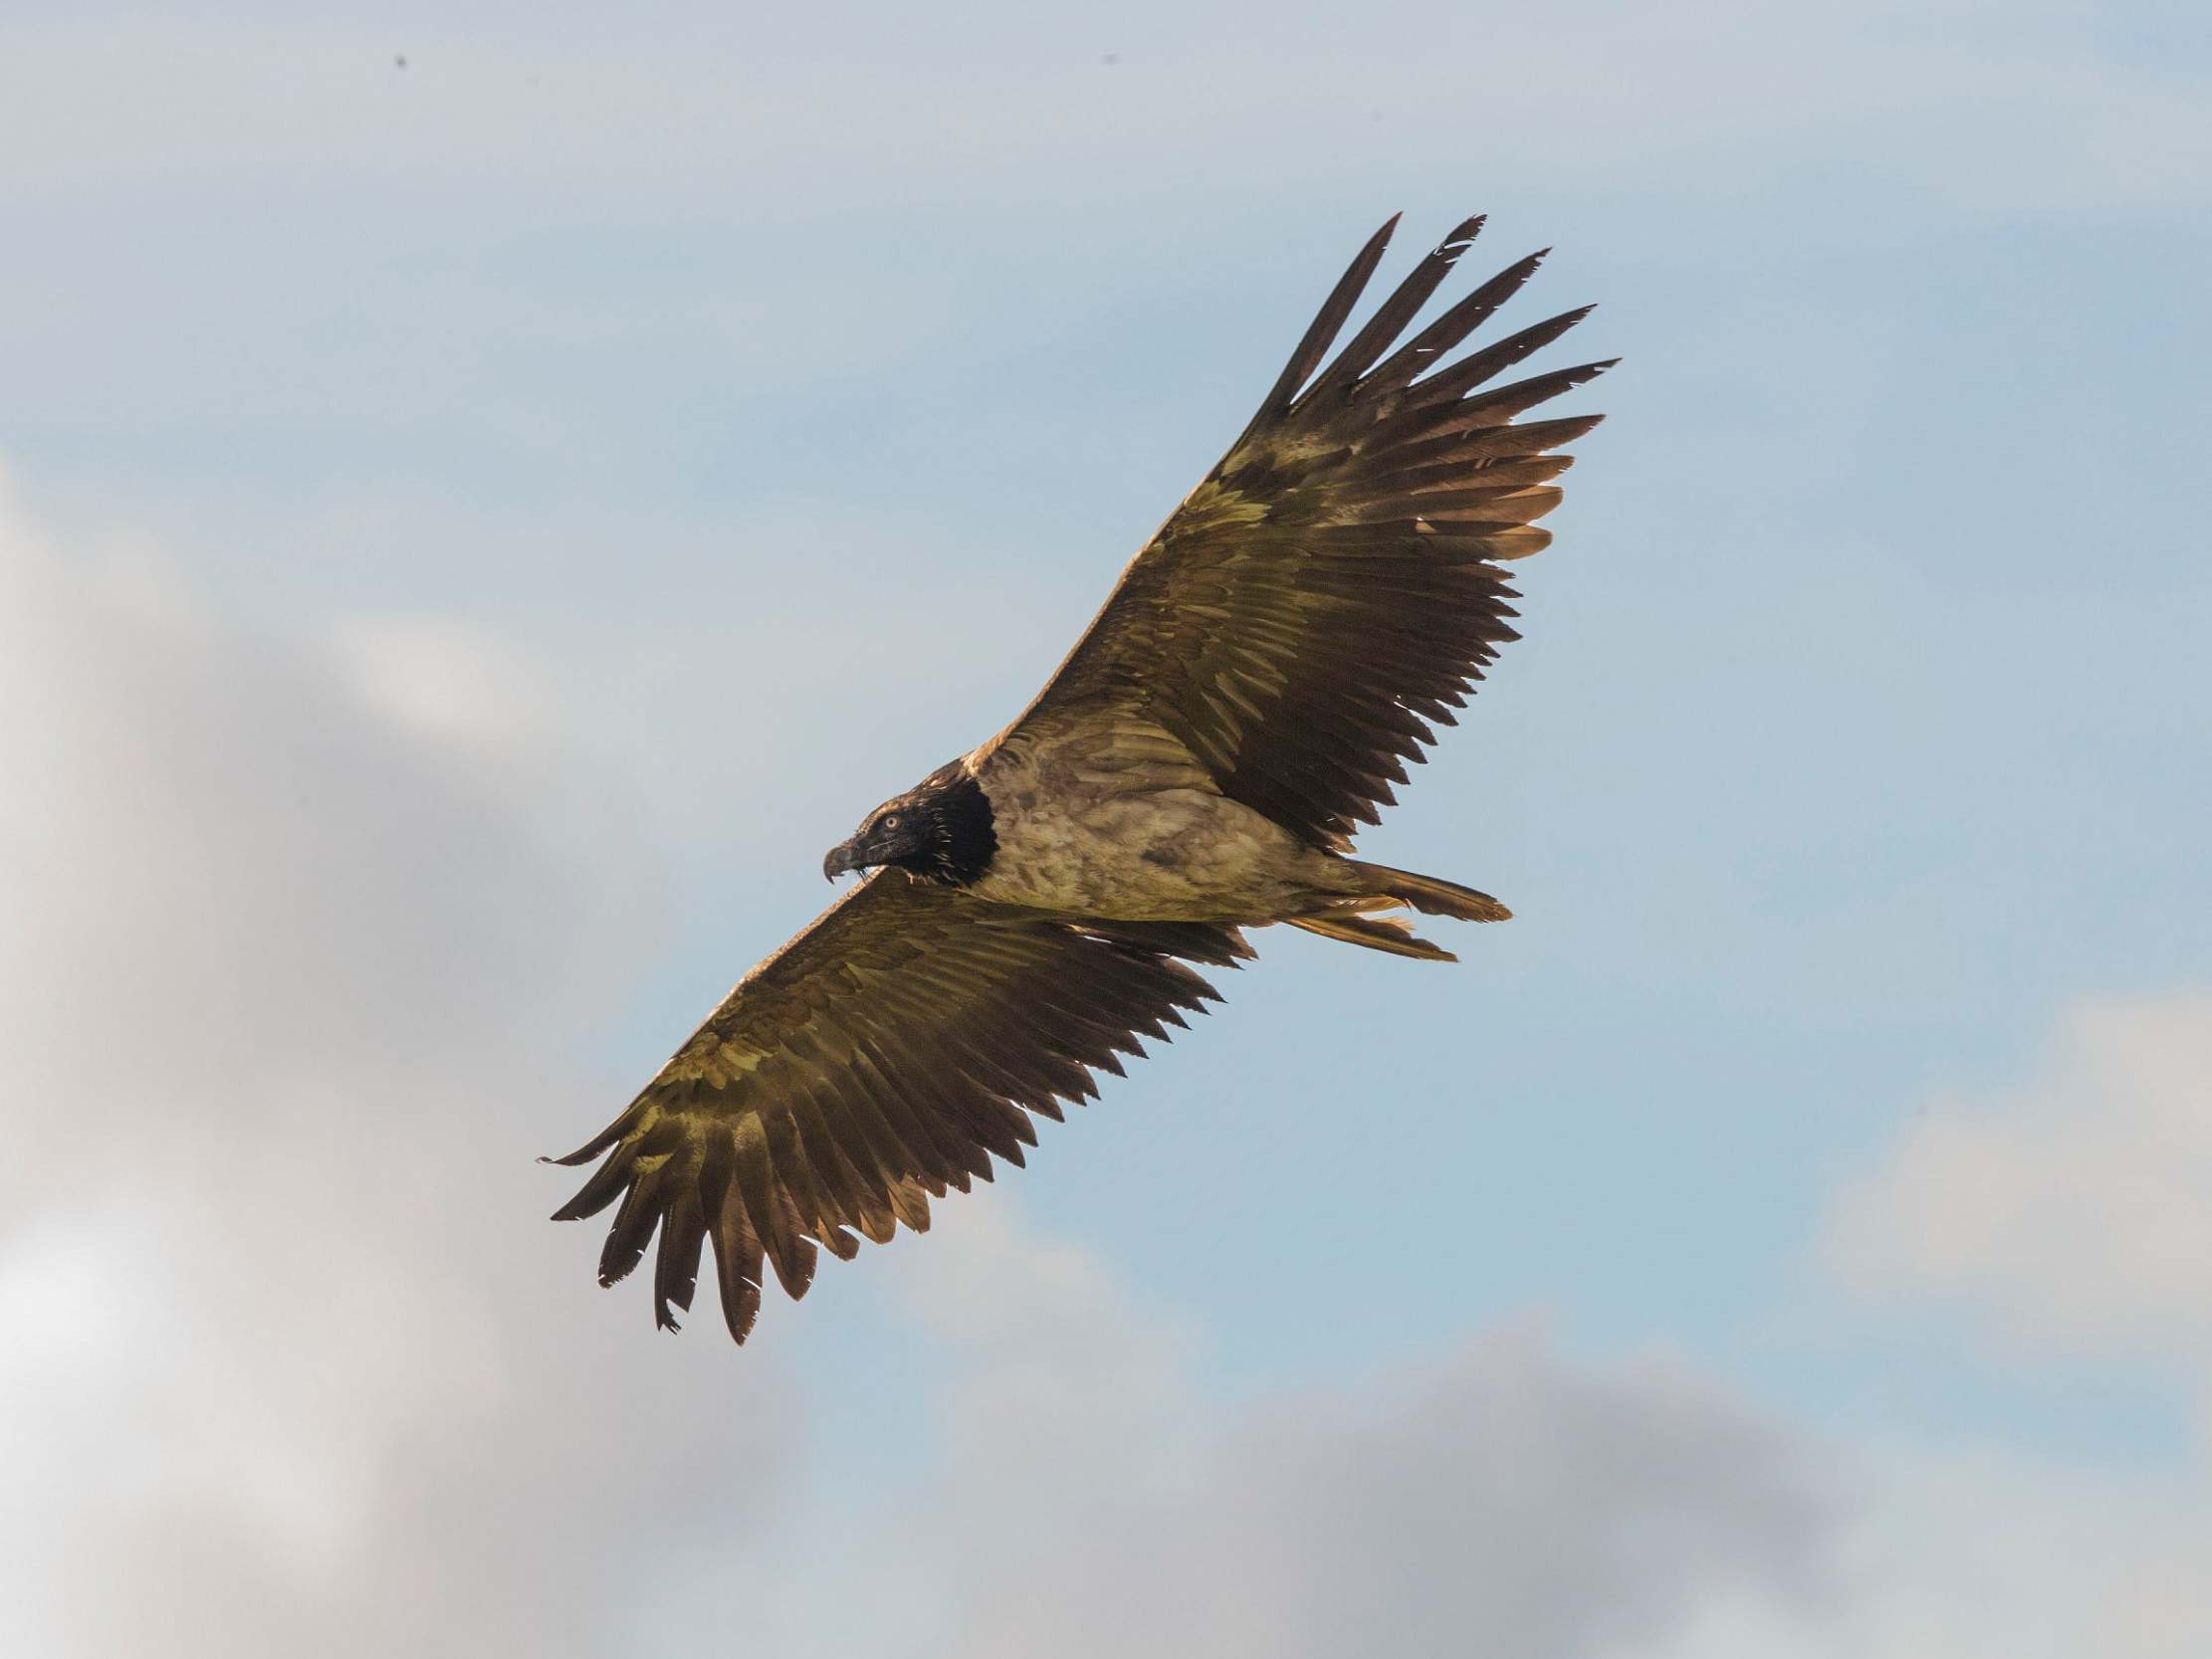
1197 765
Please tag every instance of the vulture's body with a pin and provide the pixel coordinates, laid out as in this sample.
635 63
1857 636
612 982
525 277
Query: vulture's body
1196 765
1126 832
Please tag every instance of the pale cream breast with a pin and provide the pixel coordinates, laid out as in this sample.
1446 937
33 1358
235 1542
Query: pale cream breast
1173 854
1111 816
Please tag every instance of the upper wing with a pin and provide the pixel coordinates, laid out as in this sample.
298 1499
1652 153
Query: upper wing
880 1056
1329 590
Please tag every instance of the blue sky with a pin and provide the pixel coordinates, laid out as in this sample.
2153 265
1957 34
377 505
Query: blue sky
483 528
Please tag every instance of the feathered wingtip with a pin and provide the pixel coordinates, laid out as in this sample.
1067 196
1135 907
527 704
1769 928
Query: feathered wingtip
593 1147
607 1183
1321 332
630 1118
1361 364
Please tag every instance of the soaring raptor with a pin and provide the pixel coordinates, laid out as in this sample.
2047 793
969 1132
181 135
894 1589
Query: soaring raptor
1199 765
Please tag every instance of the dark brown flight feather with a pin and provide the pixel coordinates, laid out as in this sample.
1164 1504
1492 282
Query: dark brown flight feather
877 1059
1333 589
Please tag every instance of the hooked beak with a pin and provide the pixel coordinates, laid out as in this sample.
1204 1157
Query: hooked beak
843 859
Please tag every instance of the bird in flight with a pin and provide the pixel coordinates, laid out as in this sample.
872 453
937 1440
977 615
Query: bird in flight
1199 765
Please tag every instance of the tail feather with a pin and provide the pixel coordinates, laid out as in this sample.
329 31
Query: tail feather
1374 931
1431 894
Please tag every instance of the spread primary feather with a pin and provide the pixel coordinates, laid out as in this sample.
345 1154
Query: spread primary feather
1199 765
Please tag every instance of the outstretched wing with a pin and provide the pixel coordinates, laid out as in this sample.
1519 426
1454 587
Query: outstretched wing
1333 588
877 1059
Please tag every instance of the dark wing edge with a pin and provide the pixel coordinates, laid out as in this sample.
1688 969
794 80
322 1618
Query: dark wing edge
880 1057
1332 590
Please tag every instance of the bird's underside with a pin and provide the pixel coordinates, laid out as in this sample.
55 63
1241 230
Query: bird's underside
1196 765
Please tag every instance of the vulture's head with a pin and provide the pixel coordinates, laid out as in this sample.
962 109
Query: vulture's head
940 830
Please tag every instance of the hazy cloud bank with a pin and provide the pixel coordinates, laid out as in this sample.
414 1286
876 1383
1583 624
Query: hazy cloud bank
300 1367
292 1363
299 940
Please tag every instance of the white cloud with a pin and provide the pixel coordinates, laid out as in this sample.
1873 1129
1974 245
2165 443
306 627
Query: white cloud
2072 1214
2068 1218
1500 1498
292 1363
445 680
1960 1551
